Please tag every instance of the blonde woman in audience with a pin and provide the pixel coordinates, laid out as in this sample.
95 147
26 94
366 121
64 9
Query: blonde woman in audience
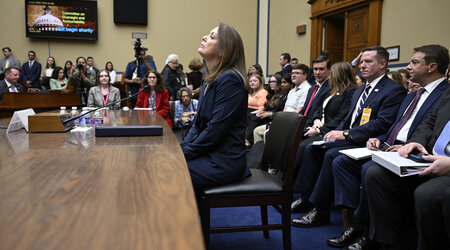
104 94
214 147
256 100
255 69
110 68
58 81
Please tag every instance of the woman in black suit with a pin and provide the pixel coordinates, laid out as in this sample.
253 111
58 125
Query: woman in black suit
336 106
332 111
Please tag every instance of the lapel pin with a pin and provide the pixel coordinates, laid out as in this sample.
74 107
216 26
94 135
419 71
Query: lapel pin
376 90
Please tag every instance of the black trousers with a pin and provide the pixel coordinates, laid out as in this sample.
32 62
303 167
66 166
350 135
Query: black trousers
395 203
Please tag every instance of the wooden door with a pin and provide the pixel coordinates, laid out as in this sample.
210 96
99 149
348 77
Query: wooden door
334 38
356 32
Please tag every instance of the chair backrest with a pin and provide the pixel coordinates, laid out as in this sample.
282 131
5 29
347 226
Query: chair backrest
281 145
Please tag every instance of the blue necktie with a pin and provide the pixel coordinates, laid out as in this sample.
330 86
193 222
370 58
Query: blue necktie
442 141
363 100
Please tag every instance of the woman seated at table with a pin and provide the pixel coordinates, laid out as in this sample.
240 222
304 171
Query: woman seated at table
214 147
156 97
104 94
58 81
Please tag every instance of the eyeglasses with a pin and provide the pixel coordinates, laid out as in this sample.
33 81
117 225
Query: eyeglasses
296 73
152 77
272 81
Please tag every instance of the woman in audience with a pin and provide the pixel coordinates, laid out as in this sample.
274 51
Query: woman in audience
104 94
47 72
256 100
281 88
156 97
214 147
110 68
255 69
58 81
169 73
67 69
396 77
337 105
182 76
360 80
195 77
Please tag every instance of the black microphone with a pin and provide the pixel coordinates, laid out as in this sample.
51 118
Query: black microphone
110 105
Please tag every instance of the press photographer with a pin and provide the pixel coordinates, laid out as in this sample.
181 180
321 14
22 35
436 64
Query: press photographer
137 69
82 78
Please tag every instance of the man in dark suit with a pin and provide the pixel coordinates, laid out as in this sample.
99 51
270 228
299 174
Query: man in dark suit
286 67
392 199
373 110
31 71
349 174
10 83
90 64
314 99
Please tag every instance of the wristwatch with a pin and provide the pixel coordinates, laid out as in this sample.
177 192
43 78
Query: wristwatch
347 135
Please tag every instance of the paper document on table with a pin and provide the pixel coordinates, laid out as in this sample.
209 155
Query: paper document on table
398 165
357 153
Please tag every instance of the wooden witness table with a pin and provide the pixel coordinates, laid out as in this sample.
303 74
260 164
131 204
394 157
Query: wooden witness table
76 191
38 100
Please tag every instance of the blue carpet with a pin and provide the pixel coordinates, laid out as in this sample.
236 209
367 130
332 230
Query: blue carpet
302 238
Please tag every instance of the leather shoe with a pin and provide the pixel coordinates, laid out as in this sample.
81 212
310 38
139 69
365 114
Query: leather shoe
348 236
313 218
362 243
301 206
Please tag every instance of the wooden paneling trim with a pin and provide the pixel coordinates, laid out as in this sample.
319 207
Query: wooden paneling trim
316 38
323 6
375 16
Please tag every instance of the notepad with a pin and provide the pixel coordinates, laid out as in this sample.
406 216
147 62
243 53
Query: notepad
357 153
398 165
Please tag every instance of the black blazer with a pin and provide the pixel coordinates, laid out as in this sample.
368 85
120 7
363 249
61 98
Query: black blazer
317 102
429 130
335 111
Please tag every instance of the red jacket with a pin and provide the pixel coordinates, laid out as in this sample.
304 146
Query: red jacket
162 104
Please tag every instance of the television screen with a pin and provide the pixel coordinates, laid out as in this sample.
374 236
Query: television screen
61 19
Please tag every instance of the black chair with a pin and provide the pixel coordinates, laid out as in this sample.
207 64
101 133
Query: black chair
270 185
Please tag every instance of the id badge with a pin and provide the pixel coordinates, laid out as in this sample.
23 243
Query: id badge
365 117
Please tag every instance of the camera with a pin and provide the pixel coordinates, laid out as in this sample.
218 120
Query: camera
80 66
137 44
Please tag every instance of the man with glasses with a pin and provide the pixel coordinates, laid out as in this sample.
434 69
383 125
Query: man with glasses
297 96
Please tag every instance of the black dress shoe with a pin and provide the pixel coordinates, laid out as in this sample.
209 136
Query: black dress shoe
362 243
313 218
301 206
348 237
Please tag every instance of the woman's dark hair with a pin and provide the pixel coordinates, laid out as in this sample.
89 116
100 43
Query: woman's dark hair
273 98
56 72
97 79
341 77
66 71
106 66
54 62
159 81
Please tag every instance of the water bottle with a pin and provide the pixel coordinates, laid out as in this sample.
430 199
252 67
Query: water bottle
85 120
97 118
62 110
74 113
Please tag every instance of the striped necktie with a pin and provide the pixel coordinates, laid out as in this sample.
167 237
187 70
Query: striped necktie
363 100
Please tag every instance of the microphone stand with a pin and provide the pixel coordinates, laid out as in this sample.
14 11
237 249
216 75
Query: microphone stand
112 104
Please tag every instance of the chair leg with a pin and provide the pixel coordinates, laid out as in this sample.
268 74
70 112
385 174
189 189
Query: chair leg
264 220
205 218
286 221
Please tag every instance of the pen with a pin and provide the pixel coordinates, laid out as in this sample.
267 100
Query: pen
373 145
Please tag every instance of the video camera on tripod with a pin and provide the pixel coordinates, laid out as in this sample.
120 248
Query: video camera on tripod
137 44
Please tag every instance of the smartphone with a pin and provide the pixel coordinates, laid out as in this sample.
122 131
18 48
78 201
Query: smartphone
417 158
